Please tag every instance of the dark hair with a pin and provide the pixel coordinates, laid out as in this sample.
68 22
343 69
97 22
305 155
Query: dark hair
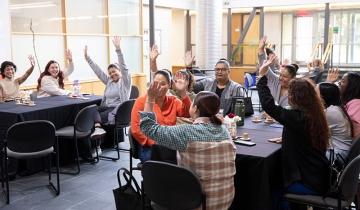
166 73
6 64
292 69
223 61
303 96
46 72
189 77
269 51
330 94
208 104
352 89
113 65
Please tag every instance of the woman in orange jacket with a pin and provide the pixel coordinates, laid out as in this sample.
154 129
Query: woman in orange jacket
166 108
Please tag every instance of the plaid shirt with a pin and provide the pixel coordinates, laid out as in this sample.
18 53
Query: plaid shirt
204 148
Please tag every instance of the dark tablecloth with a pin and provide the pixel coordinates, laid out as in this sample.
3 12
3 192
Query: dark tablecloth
60 110
258 168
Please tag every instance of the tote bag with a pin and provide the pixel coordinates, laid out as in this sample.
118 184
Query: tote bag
127 196
247 102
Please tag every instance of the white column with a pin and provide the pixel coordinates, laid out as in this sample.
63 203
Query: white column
5 31
208 33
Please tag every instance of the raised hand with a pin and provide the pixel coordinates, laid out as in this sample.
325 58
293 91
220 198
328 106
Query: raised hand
116 42
86 55
333 75
32 60
154 53
153 91
181 83
68 55
189 58
265 66
262 44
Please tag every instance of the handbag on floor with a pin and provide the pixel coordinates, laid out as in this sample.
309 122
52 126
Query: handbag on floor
127 196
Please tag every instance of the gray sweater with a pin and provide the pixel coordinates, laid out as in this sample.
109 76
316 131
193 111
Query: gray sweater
232 89
274 85
115 92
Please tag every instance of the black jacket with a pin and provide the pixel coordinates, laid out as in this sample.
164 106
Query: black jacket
300 160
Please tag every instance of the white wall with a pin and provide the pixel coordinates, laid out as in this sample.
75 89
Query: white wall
5 35
178 37
163 22
272 29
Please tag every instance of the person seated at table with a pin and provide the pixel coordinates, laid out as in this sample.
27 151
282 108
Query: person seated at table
118 84
279 85
338 120
222 85
305 136
166 108
188 76
51 81
316 69
205 147
350 98
9 86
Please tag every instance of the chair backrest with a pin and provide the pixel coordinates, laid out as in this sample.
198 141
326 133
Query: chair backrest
171 186
247 80
134 93
123 113
31 136
354 150
348 182
85 119
134 145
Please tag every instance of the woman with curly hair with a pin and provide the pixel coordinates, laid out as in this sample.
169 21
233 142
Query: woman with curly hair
305 136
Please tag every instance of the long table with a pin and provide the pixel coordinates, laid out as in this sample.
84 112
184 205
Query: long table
258 168
60 110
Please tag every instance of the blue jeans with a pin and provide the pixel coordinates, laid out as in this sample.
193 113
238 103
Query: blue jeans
144 153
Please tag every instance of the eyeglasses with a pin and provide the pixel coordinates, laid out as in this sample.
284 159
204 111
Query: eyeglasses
220 69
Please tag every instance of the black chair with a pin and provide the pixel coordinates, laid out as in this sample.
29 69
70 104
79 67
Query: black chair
82 128
354 150
134 153
30 139
134 94
171 186
122 121
344 196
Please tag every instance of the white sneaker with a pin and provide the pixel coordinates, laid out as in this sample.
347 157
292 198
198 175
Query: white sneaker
99 150
93 153
98 132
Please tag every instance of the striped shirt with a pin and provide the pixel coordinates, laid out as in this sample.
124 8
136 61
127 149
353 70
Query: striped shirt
204 148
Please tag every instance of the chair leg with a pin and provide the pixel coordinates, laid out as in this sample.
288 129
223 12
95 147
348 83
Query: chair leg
77 170
51 184
116 147
7 179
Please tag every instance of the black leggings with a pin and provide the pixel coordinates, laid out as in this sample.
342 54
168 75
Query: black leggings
103 114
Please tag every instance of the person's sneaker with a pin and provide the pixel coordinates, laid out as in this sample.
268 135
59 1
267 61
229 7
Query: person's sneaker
98 132
93 153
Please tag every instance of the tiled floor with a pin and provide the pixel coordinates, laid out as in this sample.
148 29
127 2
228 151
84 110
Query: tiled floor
91 189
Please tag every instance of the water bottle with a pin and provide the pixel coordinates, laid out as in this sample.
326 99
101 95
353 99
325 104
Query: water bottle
76 88
240 111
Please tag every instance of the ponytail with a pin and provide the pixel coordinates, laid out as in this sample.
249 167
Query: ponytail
215 119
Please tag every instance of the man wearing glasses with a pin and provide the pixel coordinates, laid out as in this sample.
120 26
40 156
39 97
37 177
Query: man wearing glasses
225 88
